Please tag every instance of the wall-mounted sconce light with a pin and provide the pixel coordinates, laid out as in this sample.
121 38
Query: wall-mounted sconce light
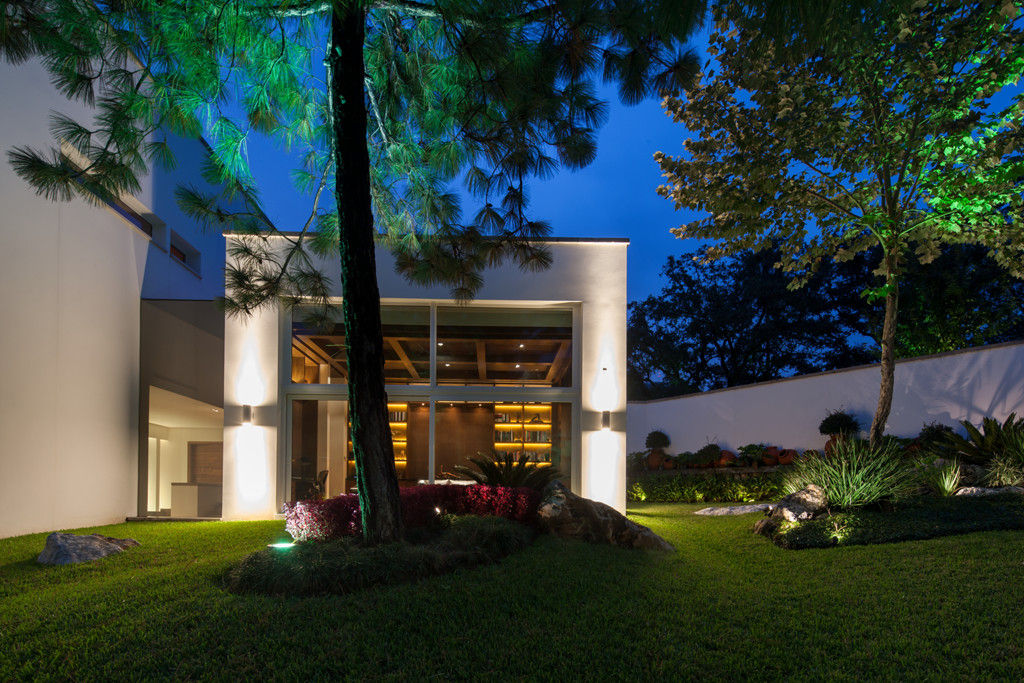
606 420
247 414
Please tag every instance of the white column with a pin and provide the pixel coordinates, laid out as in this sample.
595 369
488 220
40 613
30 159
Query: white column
251 351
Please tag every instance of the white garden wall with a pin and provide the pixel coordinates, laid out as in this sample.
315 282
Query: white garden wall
945 388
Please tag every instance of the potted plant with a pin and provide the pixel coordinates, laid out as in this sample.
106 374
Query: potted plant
787 456
770 456
669 463
727 459
751 454
708 455
838 425
656 443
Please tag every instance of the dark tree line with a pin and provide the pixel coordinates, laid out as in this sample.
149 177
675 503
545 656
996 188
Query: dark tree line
736 321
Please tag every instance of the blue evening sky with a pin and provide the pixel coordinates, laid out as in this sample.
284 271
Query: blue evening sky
613 197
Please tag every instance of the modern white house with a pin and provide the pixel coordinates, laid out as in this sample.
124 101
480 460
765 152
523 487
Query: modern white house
123 388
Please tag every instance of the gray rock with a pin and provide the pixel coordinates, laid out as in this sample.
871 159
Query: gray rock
563 513
71 549
802 505
974 491
734 509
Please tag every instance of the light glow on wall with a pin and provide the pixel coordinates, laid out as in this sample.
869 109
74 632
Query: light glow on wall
252 478
605 468
605 392
250 386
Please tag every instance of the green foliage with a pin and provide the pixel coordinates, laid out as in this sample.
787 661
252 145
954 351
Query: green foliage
924 518
345 566
893 142
504 470
854 474
939 478
1007 468
714 488
983 445
839 422
934 435
657 439
708 454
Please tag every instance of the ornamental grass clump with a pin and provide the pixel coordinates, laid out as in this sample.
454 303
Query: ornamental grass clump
1007 468
854 474
940 478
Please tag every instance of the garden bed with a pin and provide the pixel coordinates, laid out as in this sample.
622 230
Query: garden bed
704 486
918 519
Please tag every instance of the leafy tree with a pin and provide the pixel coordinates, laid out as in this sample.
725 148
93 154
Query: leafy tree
961 299
736 321
894 142
386 103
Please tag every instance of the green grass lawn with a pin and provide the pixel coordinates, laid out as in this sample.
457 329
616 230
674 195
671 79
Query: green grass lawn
728 605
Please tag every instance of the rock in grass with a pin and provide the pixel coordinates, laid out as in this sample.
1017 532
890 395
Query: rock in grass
734 509
800 506
71 548
563 513
982 491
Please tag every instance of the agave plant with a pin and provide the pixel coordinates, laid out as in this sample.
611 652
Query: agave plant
503 470
981 446
940 478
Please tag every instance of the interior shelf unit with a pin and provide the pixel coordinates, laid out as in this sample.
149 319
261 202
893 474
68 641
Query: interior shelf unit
398 420
523 428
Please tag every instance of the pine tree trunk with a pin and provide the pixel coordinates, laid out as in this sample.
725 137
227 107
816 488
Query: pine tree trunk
371 435
888 344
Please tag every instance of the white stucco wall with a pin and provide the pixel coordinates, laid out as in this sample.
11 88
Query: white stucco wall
590 273
947 388
69 348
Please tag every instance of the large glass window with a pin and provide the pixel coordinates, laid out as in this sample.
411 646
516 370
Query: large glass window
185 457
319 352
504 347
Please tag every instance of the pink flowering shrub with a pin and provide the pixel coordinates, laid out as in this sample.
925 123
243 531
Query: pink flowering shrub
321 520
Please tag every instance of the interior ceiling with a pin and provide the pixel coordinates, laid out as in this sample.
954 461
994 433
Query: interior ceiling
175 411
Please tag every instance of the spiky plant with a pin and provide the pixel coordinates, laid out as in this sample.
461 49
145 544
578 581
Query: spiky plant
854 474
1007 468
503 470
981 446
940 479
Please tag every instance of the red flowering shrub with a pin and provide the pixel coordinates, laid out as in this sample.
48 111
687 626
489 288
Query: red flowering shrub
321 520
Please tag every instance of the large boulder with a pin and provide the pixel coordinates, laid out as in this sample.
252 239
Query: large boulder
71 549
804 504
563 513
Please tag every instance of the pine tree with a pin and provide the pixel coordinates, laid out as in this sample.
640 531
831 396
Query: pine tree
414 97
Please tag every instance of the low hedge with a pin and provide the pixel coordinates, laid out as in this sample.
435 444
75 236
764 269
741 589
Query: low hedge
345 566
338 517
914 520
711 488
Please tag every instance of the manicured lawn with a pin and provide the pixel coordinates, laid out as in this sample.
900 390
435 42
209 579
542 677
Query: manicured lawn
729 605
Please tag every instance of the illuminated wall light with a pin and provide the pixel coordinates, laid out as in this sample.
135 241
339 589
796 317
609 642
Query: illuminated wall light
250 387
606 420
252 478
604 395
247 414
603 480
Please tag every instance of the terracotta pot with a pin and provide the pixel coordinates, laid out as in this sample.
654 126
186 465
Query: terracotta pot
655 459
772 451
668 464
787 456
728 458
769 459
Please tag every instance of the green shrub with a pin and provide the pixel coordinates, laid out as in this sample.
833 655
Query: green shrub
657 439
934 436
345 566
839 422
941 479
503 470
752 453
853 474
923 518
983 445
711 488
1007 468
708 454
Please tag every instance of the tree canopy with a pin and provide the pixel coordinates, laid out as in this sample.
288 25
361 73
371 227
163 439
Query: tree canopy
386 103
903 142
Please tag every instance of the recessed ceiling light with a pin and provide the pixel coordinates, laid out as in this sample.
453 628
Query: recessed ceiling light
440 343
522 346
447 365
517 365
